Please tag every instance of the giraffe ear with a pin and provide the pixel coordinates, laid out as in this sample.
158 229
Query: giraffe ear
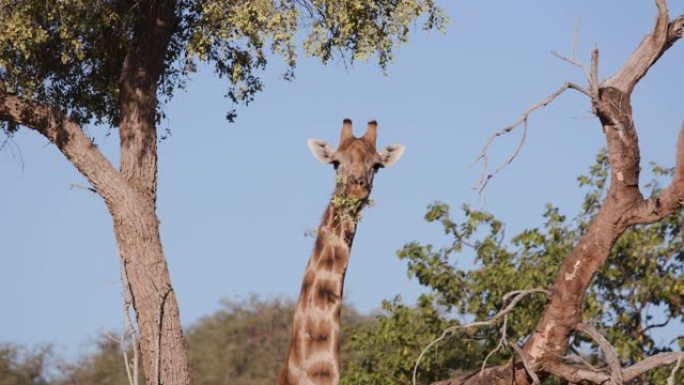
321 150
391 154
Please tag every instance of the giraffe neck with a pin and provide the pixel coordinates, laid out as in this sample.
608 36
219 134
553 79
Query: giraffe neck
313 357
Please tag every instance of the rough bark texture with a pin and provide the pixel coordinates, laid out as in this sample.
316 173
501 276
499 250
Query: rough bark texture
130 194
624 206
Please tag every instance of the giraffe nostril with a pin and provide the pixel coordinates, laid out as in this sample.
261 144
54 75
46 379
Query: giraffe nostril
361 182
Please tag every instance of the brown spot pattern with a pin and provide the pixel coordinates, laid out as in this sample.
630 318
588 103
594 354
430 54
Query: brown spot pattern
319 335
306 287
321 373
326 293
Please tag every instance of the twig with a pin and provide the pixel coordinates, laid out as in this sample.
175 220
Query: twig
128 327
593 78
575 38
485 175
502 342
574 62
160 316
616 375
518 295
526 363
583 360
671 378
78 186
577 375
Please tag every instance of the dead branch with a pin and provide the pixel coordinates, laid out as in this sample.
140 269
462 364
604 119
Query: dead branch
577 375
648 52
485 174
593 76
611 357
526 363
502 342
573 54
78 186
625 206
160 316
517 295
129 329
673 373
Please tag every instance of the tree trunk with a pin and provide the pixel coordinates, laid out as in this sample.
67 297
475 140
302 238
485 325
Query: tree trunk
164 355
130 194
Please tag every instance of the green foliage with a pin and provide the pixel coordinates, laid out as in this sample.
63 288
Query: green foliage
243 343
69 53
639 290
347 207
386 350
104 367
23 367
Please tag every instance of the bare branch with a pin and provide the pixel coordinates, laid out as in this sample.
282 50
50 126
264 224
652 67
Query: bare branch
658 325
573 51
526 362
650 363
499 346
649 51
485 174
517 295
78 186
671 377
575 38
129 329
616 376
593 76
68 137
576 375
160 316
572 61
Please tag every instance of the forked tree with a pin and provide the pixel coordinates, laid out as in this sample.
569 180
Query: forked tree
624 206
66 64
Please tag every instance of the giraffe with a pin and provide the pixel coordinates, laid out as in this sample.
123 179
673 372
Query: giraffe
313 354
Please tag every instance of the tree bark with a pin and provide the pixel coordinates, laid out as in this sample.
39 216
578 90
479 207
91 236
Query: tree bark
136 225
130 194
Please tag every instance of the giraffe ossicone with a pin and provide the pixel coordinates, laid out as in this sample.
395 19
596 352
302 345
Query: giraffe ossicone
313 356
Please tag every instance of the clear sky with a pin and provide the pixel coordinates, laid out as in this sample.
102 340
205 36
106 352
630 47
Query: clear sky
236 199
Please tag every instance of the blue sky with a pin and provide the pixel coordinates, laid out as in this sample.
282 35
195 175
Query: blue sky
236 199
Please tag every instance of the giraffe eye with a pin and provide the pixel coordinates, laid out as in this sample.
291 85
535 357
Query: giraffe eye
335 164
378 166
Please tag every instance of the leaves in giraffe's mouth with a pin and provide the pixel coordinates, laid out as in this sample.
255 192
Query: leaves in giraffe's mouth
347 207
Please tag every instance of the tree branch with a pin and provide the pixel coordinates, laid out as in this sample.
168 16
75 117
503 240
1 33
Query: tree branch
526 363
576 375
669 200
611 357
517 295
68 137
671 377
485 174
649 51
624 206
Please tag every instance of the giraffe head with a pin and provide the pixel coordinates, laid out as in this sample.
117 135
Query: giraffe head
356 160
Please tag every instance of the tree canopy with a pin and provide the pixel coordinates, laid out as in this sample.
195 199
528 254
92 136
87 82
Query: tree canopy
70 53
